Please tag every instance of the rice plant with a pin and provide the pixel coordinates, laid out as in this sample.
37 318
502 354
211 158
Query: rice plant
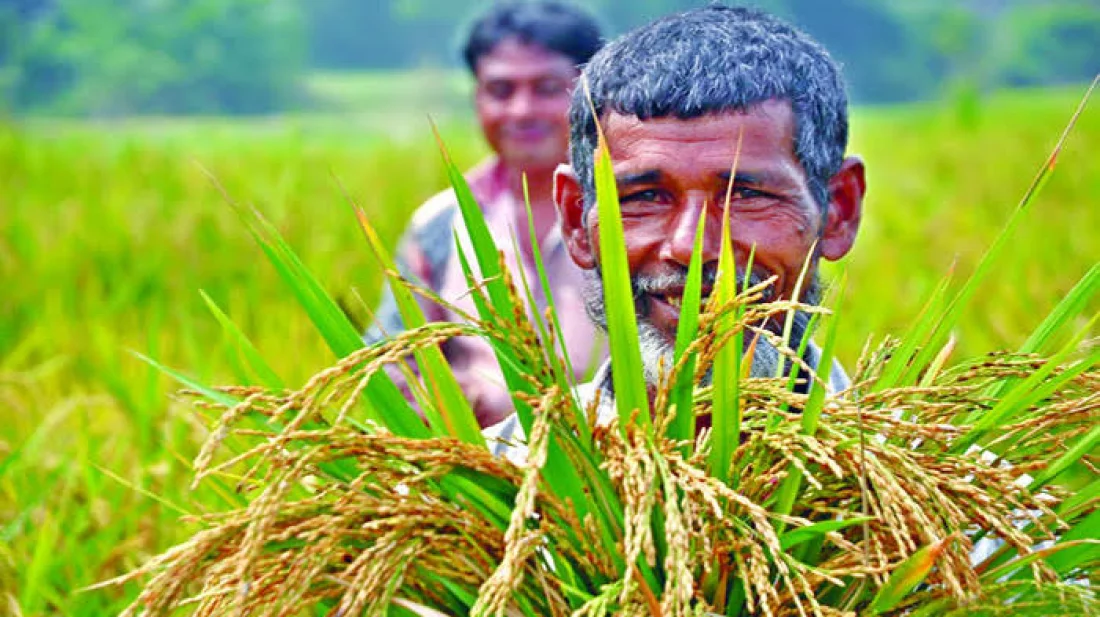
930 487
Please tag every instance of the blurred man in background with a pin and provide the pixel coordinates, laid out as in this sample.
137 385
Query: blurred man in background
525 58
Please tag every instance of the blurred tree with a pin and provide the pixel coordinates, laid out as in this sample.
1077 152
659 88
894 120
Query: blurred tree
885 57
114 57
1050 44
246 56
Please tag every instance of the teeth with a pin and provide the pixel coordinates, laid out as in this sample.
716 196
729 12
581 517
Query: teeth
674 300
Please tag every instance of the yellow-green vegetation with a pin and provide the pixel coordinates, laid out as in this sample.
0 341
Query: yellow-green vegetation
110 232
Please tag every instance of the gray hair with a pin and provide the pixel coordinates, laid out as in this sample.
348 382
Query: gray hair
711 60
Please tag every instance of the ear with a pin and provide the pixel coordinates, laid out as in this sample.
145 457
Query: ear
569 200
846 190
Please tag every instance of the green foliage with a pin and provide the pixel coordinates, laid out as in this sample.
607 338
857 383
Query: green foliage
890 51
1051 44
109 58
625 524
107 234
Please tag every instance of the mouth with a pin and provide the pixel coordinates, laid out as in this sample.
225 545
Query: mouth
662 307
527 133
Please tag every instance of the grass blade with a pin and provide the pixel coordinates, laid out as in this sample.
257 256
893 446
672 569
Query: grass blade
799 535
906 576
255 359
451 414
954 310
631 394
682 426
726 418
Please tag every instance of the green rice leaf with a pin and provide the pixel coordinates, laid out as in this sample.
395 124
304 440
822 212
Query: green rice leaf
954 310
1068 308
799 535
477 230
1082 447
1066 553
726 415
331 322
811 415
498 306
631 394
220 398
450 414
1079 545
1031 390
334 327
682 427
788 490
255 359
924 323
788 323
906 576
563 374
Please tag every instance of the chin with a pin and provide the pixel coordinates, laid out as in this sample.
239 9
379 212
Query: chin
533 158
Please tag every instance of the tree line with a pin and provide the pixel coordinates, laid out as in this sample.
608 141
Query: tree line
118 57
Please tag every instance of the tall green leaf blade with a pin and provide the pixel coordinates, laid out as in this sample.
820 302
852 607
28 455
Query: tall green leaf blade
682 427
565 380
819 388
631 395
451 414
985 265
1082 447
255 359
800 535
1031 390
917 333
341 336
726 408
1069 307
563 477
500 305
906 576
1086 531
477 230
336 329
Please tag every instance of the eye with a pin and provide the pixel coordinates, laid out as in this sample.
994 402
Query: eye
741 192
644 196
548 88
499 90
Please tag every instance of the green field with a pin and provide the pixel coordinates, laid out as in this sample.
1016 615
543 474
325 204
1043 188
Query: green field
108 233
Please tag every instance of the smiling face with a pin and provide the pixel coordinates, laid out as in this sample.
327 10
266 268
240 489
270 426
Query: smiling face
671 172
522 100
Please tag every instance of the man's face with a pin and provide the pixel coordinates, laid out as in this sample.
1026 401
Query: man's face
671 172
522 101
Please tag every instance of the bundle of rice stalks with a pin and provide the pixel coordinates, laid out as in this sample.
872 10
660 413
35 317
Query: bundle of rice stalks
923 489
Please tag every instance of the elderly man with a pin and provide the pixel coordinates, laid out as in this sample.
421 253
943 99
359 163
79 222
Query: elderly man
675 98
525 58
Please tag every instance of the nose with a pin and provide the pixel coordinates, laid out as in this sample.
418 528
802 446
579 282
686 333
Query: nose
680 244
521 103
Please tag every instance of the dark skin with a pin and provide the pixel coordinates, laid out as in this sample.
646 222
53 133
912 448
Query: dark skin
670 172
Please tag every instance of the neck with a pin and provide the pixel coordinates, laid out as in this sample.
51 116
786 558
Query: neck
540 185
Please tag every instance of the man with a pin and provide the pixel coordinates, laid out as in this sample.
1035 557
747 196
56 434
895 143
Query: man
674 99
525 58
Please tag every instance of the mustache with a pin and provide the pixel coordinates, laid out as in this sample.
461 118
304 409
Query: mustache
675 279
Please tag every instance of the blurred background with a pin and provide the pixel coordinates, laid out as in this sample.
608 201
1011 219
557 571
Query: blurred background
111 58
127 125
